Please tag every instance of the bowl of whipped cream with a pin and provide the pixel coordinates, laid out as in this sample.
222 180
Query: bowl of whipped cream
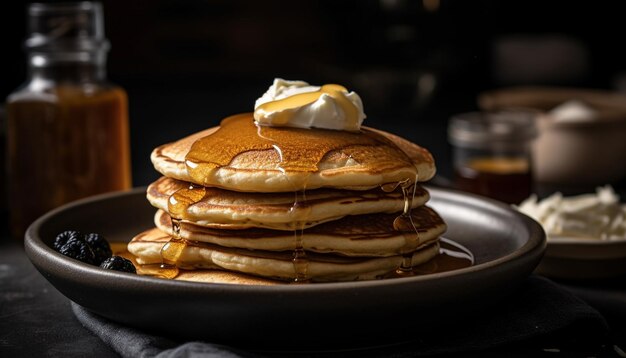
586 234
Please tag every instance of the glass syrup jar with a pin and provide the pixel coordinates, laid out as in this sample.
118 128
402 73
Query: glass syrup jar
67 126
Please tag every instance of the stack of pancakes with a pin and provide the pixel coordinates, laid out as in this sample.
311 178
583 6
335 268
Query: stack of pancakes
291 204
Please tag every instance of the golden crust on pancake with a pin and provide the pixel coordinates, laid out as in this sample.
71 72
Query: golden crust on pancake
196 275
221 276
278 265
362 235
261 171
227 209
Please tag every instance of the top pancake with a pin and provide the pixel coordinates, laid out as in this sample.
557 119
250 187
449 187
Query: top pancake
240 156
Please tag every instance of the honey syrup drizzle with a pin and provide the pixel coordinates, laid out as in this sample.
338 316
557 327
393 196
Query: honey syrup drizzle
300 260
299 212
281 107
404 223
452 256
178 205
300 150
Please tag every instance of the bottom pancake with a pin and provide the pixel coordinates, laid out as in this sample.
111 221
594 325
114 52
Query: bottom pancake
221 276
276 265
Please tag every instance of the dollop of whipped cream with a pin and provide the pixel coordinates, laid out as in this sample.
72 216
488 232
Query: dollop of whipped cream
298 104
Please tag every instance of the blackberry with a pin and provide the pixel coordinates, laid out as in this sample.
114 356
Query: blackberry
118 263
78 249
100 247
63 237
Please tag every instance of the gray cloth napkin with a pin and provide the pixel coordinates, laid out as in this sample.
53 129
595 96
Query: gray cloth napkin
539 316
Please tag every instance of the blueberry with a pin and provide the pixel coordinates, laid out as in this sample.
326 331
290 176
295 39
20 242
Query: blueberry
78 249
118 263
63 237
100 247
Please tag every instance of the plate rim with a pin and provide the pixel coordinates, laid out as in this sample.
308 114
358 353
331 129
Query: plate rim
584 241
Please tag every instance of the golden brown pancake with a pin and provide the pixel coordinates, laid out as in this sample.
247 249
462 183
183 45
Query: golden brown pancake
362 235
243 157
275 265
228 209
257 203
195 275
221 276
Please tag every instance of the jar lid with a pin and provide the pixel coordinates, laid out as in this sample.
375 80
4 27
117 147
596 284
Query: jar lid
66 27
484 129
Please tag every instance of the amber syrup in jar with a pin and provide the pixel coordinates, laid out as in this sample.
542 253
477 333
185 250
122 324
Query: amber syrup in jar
491 153
67 127
506 179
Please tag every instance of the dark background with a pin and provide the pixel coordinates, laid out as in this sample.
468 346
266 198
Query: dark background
187 64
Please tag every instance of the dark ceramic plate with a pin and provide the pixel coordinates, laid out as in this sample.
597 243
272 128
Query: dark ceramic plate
507 247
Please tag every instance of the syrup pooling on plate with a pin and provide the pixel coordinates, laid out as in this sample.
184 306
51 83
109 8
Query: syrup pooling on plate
452 256
156 270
